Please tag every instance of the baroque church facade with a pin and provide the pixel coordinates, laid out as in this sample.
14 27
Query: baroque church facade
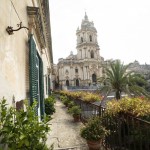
84 68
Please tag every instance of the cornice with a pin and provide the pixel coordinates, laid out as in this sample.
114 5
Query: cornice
46 17
35 22
85 44
39 19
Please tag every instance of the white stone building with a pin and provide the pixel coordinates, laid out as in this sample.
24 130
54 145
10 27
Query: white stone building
84 68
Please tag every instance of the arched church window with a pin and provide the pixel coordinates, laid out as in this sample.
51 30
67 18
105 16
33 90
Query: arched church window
94 77
67 82
90 38
92 54
81 39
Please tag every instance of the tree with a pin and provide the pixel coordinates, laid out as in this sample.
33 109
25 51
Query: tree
118 79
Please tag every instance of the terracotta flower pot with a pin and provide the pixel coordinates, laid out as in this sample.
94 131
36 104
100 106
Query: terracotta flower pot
94 145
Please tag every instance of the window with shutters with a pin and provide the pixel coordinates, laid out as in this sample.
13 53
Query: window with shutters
36 78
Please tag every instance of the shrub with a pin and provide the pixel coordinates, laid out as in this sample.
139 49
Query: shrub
65 100
93 130
49 105
75 110
85 96
90 97
134 106
71 104
128 121
21 130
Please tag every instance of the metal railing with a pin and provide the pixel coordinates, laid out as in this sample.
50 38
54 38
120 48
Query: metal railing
126 132
92 87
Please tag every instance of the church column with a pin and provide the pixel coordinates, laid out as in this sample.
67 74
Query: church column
71 75
81 53
63 76
59 71
83 72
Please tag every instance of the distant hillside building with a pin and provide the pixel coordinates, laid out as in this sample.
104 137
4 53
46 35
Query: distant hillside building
143 69
84 68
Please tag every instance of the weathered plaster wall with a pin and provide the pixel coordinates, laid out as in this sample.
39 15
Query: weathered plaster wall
14 50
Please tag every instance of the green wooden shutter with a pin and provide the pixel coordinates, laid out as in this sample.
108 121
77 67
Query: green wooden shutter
41 80
49 86
46 84
32 70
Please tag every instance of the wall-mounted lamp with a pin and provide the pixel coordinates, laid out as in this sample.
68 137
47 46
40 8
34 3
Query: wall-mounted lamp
10 29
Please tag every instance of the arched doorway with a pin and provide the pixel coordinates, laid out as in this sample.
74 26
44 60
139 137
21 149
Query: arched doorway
67 82
94 78
77 82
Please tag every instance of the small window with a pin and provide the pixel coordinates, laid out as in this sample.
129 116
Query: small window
76 70
81 39
92 54
90 38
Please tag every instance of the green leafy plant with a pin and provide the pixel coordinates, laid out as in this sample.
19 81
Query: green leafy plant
74 110
21 130
137 107
118 79
71 104
85 96
91 97
49 105
131 115
93 130
65 100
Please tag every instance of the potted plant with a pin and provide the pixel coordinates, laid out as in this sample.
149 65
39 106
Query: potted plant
71 104
76 112
93 132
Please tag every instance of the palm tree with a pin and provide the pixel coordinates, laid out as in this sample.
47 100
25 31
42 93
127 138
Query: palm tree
118 79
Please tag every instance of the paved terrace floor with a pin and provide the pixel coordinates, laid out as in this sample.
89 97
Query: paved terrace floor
64 134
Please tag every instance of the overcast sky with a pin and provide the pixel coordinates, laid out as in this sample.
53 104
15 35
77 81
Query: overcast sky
123 27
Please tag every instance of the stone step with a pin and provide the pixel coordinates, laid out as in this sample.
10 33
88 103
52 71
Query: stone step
81 147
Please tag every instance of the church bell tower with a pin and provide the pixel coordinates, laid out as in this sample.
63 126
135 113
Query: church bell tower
87 46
